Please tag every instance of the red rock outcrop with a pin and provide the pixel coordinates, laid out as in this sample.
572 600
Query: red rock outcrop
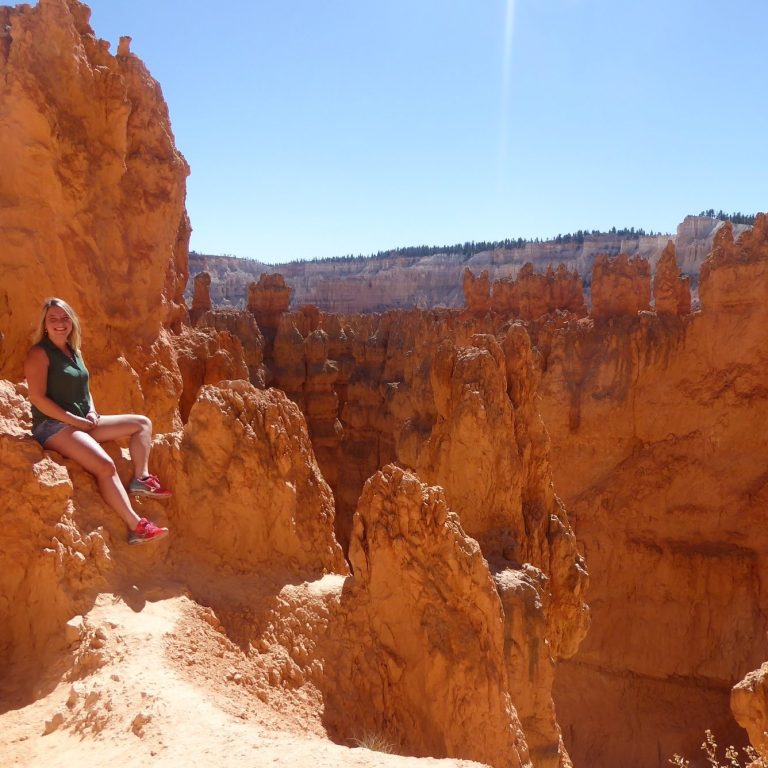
247 451
749 703
671 289
242 326
658 458
459 407
621 287
267 301
84 134
531 295
477 292
201 301
432 679
206 357
727 274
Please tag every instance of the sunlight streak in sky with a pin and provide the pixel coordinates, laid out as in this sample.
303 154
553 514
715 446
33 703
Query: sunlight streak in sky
506 81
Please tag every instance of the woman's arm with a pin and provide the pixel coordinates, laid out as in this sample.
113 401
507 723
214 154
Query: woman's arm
36 371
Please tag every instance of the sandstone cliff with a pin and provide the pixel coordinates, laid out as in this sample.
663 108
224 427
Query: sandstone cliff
250 608
395 281
660 461
426 445
91 195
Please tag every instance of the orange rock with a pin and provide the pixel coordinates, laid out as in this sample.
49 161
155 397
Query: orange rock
735 273
206 356
477 292
749 702
249 494
422 603
201 301
531 295
243 327
620 286
90 167
659 459
671 289
267 301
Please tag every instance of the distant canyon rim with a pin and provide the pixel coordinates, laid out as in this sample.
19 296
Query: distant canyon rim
464 510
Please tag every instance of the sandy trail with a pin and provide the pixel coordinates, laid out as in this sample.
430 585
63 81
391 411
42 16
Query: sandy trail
144 697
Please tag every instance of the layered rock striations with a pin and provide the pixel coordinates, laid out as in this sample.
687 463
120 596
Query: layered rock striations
453 399
395 281
620 286
427 445
658 457
92 195
528 296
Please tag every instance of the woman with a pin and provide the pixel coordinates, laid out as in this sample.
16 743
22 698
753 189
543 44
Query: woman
65 420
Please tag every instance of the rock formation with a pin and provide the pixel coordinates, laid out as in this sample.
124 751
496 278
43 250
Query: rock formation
477 292
267 300
620 287
658 460
671 290
243 327
434 680
201 301
427 444
749 702
86 134
395 281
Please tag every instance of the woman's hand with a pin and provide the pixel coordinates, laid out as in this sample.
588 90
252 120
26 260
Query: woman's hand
93 417
81 422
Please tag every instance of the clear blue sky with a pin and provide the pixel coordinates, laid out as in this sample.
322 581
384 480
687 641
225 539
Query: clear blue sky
325 127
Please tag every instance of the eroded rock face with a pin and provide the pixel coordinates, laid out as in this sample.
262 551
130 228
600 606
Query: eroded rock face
620 287
658 459
531 295
394 281
206 356
243 327
749 702
84 134
425 631
267 301
249 489
458 407
201 301
671 289
477 292
733 277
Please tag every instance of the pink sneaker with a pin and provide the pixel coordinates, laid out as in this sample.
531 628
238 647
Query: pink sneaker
146 531
148 486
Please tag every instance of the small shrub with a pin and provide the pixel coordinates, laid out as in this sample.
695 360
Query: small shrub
732 760
375 742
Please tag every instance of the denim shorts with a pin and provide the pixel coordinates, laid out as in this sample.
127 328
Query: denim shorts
47 429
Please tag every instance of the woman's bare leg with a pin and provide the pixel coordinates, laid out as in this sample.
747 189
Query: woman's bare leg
131 425
82 448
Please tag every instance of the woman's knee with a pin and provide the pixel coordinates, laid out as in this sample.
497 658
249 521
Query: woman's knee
102 466
145 424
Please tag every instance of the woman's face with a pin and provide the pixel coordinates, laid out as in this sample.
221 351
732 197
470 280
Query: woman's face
58 324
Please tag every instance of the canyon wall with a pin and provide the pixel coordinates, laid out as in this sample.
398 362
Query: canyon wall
372 438
395 281
419 492
92 196
659 456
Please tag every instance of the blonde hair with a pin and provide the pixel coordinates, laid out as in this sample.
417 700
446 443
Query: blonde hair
75 337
